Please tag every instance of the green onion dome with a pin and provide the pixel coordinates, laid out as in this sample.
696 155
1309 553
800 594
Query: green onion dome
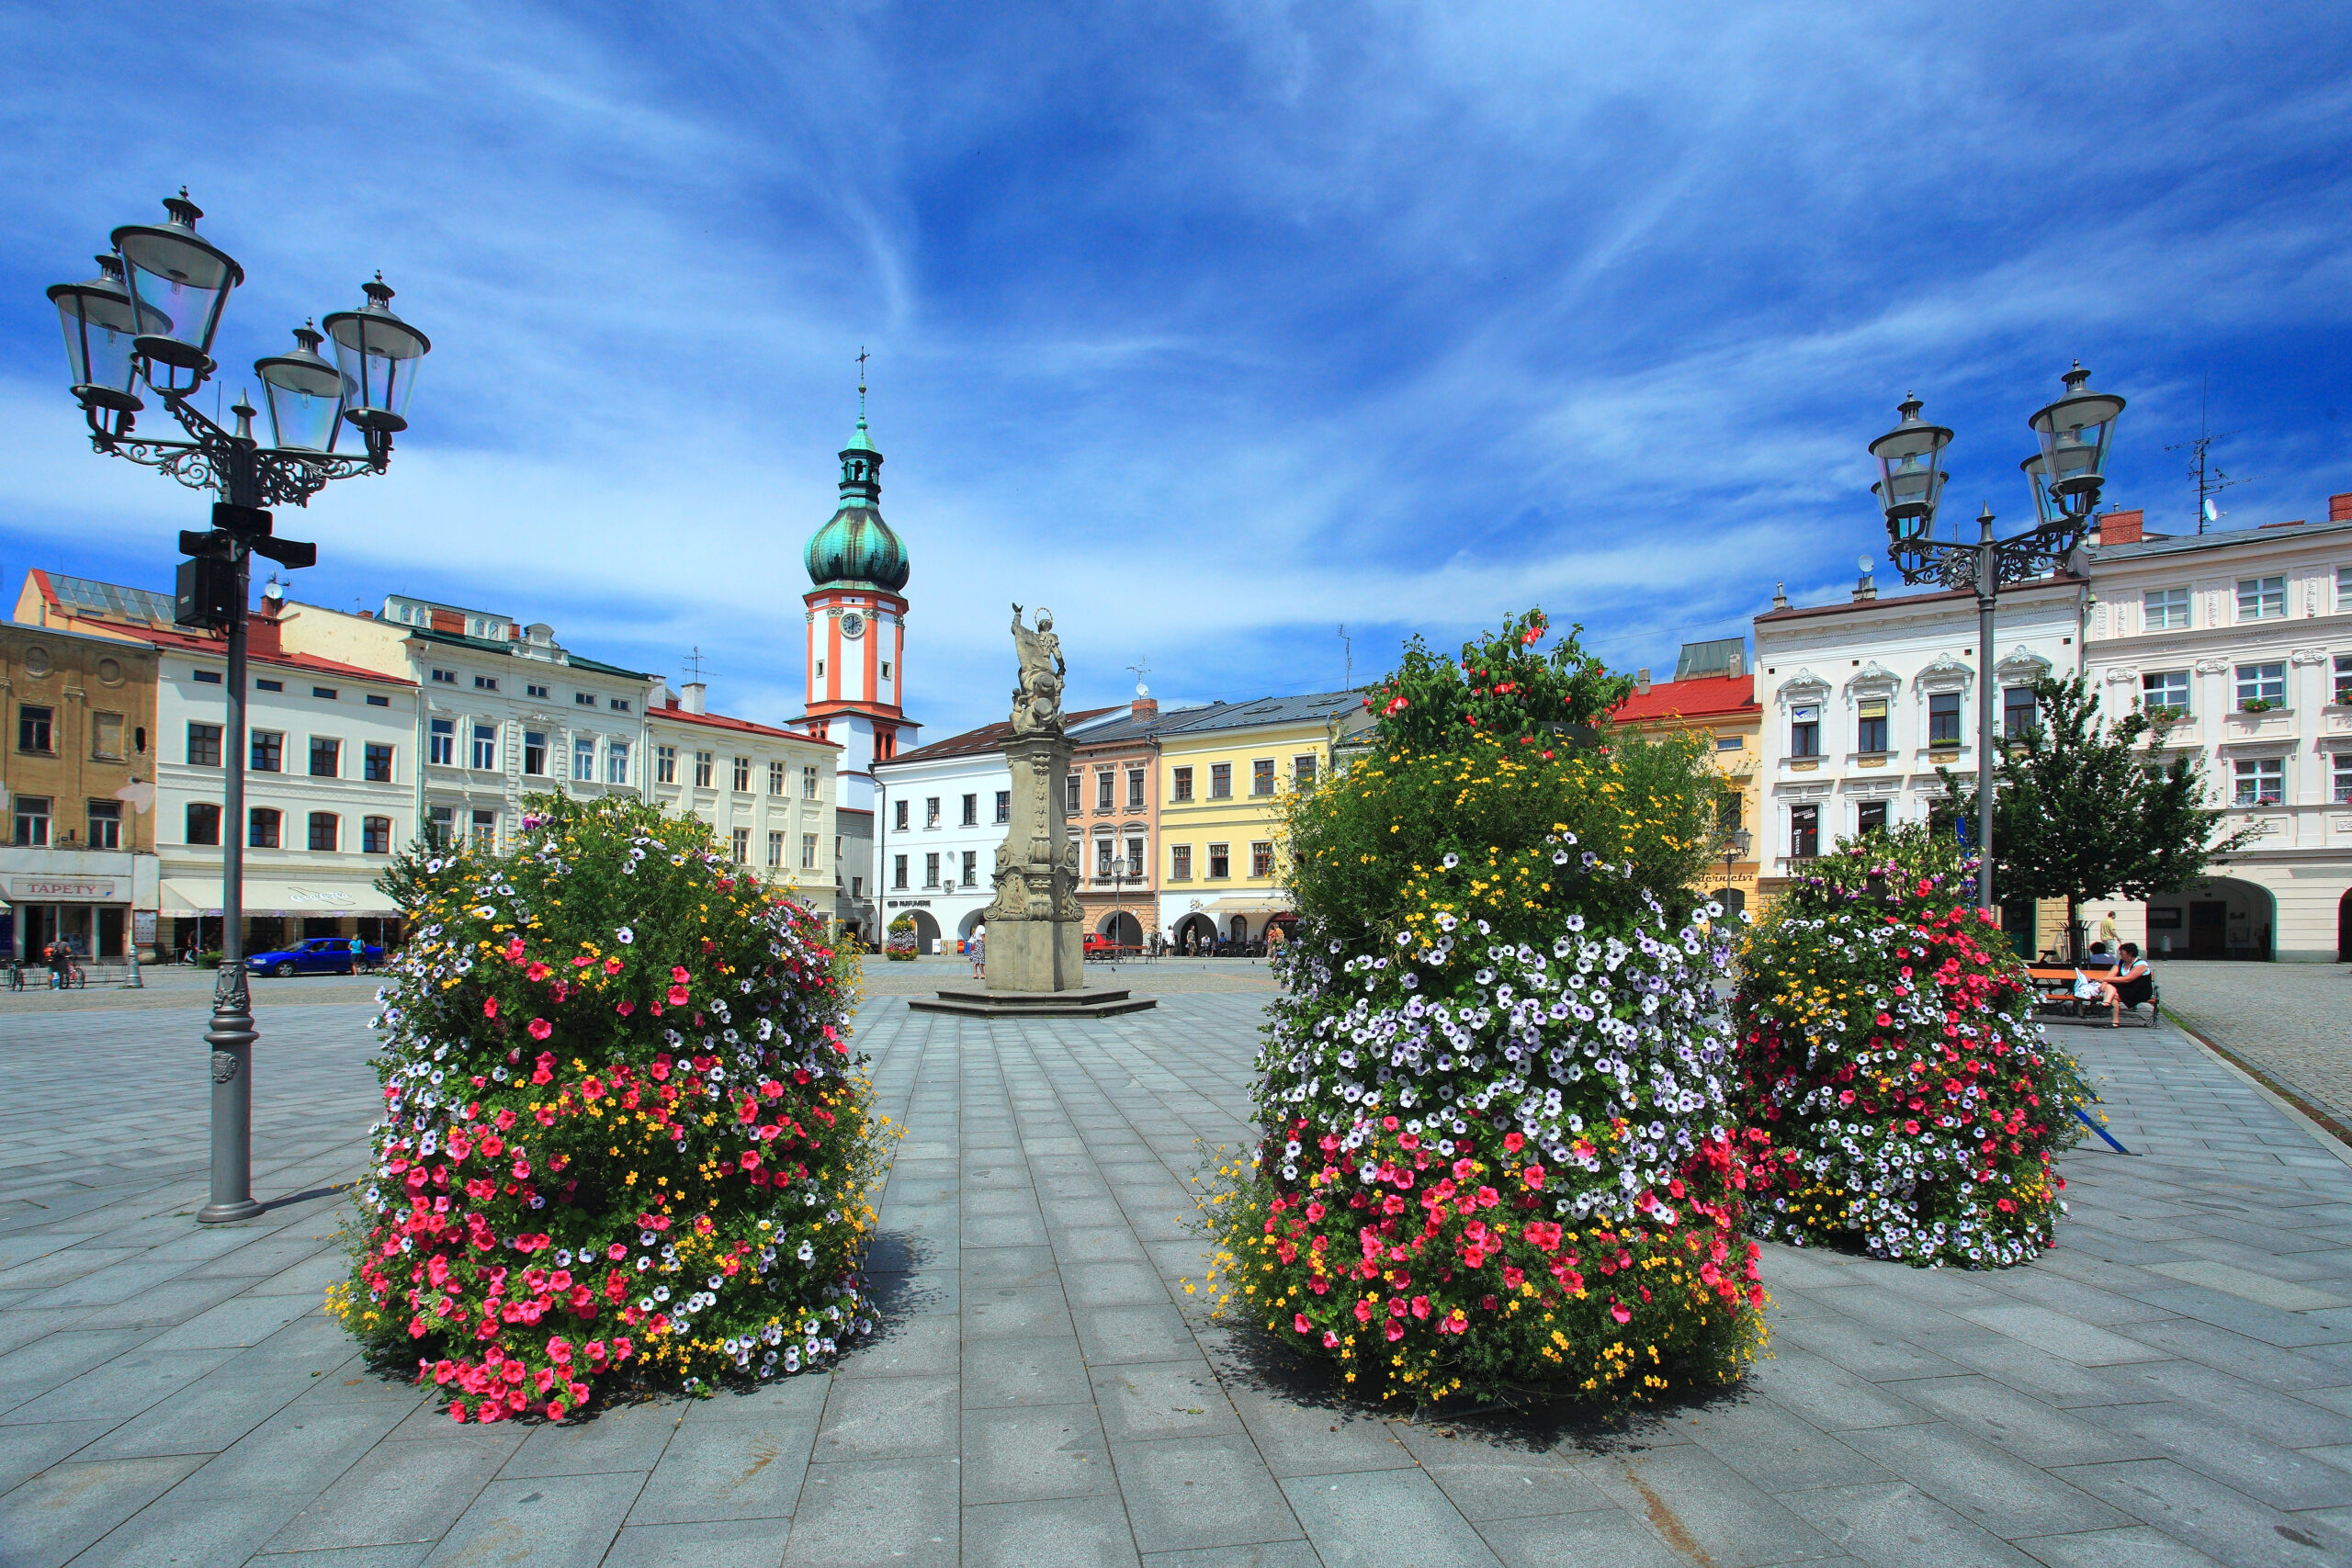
856 548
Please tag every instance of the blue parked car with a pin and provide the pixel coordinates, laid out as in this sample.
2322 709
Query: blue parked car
319 955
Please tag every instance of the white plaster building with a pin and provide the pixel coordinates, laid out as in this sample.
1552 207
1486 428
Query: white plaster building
2250 632
504 710
765 792
941 812
1865 699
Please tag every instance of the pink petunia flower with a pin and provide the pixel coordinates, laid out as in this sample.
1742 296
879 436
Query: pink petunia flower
541 1028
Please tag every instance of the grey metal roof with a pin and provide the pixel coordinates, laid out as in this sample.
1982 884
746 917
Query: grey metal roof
1314 707
1724 656
2188 544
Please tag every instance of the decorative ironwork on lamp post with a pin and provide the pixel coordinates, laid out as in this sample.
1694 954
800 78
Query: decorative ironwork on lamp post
2074 434
147 322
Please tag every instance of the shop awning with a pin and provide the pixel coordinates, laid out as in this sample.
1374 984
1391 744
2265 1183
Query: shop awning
1247 905
186 895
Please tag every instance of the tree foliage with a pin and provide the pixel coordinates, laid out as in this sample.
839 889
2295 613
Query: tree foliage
1501 688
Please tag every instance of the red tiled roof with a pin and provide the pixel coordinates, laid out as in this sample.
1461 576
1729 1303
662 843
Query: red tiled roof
736 726
1702 697
972 742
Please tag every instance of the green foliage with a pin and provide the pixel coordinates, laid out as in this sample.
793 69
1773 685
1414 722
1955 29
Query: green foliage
411 875
1474 832
2082 810
623 1132
1888 1048
1500 689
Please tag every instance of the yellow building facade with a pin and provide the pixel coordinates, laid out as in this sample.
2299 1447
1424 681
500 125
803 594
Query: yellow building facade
1723 707
1224 778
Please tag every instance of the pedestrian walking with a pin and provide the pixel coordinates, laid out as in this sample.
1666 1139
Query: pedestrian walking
977 946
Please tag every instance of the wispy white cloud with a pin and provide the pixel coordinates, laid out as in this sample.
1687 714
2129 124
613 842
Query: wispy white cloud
1214 329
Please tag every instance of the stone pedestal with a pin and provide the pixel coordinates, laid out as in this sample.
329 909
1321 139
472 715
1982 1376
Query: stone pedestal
1035 940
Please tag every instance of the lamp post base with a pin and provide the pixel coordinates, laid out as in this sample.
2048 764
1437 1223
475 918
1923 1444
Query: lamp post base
231 1038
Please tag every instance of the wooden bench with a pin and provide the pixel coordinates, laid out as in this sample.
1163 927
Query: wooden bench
2055 987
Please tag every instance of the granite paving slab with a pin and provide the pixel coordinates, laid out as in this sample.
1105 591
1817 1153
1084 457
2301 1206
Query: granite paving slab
2172 1385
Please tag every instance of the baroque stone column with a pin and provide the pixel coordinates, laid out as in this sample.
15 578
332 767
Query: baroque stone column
1034 940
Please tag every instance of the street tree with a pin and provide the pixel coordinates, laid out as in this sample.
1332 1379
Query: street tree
2088 807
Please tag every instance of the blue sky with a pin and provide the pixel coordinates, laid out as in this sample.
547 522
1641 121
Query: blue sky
1213 327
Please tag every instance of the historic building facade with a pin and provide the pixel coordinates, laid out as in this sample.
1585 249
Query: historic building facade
1110 801
856 619
765 792
77 775
1862 702
1223 770
1713 693
941 811
2247 636
503 709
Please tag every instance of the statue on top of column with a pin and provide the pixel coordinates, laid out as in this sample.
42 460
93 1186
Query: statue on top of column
1037 700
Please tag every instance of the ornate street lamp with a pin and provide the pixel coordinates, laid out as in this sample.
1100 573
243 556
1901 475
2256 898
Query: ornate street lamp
148 320
2066 477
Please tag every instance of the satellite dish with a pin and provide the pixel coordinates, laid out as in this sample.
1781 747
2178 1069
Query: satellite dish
1864 562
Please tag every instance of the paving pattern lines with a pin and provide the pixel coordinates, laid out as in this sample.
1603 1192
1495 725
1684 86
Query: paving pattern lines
2171 1385
2288 1020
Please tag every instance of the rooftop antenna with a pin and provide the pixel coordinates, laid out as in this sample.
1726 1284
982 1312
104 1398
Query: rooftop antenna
2210 479
1141 668
1347 652
695 670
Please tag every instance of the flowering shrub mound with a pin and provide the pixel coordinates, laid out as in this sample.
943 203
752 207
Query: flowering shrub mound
1888 1046
1500 1145
623 1134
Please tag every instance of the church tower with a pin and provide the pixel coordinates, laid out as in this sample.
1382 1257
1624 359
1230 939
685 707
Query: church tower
856 625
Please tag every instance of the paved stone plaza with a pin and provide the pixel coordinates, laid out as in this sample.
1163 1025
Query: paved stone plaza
2291 1020
2173 1385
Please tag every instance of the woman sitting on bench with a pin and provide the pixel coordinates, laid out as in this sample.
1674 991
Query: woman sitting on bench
2133 983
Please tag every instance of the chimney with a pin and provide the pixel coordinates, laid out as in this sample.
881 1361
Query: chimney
1641 678
2122 527
657 694
1146 706
2339 507
1738 665
1780 596
692 694
1866 588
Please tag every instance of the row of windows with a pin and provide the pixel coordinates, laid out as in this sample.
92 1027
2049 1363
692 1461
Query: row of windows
531 689
2255 687
740 847
971 810
1872 735
37 733
265 830
2254 781
270 683
665 771
1180 781
265 754
33 815
441 742
2258 599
